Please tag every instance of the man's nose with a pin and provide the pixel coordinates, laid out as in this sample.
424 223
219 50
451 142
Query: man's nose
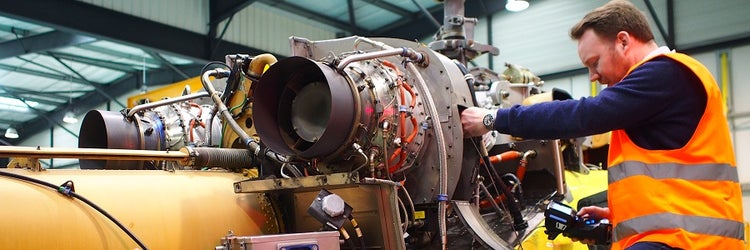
593 76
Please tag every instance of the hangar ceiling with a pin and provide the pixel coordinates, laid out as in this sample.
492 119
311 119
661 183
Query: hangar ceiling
60 56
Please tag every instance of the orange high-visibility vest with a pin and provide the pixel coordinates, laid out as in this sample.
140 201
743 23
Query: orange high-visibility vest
689 197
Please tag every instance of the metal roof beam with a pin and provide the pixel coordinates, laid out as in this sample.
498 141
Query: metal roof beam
107 64
352 17
120 27
41 74
96 86
169 65
414 28
12 91
56 93
14 30
317 17
39 113
118 54
40 43
6 121
223 9
93 99
390 7
30 98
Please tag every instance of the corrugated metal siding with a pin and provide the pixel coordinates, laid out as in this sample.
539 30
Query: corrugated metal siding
538 38
269 29
185 14
702 22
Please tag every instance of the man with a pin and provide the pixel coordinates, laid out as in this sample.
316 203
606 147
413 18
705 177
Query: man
672 174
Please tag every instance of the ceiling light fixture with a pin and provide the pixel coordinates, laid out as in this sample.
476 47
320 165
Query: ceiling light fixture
70 118
11 133
516 5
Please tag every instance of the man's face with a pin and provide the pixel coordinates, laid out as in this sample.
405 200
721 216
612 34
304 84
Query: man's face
604 59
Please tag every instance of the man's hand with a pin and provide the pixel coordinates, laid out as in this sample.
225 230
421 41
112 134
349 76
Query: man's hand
592 212
471 121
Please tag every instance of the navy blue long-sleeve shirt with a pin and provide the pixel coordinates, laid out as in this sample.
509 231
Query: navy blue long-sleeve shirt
659 105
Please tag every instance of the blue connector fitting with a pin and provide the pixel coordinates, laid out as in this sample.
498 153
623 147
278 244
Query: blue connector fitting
64 190
442 197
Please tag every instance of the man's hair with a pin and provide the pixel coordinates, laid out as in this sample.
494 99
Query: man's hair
613 17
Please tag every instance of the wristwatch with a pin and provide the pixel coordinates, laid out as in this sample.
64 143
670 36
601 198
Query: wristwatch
489 121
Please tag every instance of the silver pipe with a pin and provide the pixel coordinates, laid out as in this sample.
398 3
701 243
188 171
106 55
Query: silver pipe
395 185
527 154
367 56
246 139
411 204
492 199
404 225
291 169
559 175
476 193
369 41
358 148
381 181
210 127
373 153
442 151
404 52
141 107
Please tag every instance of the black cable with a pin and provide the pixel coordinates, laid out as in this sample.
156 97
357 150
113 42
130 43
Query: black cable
358 232
347 239
205 67
465 71
515 211
69 192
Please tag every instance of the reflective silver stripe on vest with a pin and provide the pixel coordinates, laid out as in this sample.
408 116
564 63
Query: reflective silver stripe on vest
690 223
692 172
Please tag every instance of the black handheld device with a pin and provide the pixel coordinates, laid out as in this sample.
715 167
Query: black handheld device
560 218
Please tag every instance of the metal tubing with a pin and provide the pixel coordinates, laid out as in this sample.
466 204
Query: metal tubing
246 139
92 153
442 151
367 56
404 52
141 107
233 158
559 175
491 200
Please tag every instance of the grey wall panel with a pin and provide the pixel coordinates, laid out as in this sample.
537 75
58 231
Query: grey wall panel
740 108
538 38
190 15
577 86
740 78
704 22
263 27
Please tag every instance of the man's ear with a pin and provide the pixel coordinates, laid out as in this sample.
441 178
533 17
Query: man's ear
622 39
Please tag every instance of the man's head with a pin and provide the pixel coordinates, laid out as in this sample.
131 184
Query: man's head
611 39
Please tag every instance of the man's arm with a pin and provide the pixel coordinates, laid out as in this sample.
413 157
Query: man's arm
640 96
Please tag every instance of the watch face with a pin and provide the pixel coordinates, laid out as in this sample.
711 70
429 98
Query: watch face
488 121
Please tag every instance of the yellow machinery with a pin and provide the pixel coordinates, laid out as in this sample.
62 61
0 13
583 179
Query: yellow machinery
357 138
166 210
